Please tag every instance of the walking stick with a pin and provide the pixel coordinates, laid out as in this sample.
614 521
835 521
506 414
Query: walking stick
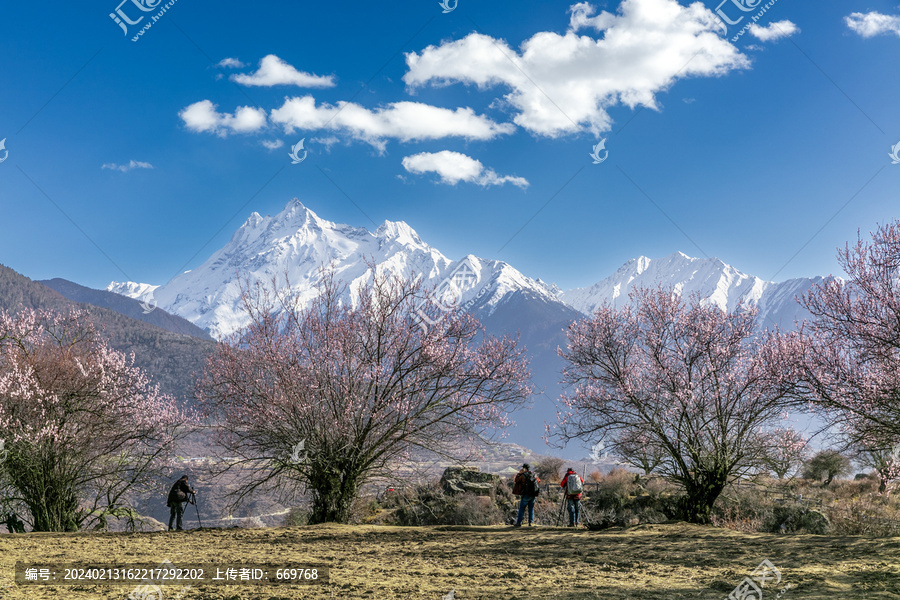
194 502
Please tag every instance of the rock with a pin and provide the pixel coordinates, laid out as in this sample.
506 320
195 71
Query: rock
457 480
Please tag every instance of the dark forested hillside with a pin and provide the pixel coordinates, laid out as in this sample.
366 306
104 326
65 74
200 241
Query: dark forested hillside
126 306
170 359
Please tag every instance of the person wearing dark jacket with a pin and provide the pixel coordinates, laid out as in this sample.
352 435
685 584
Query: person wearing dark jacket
178 495
573 496
525 485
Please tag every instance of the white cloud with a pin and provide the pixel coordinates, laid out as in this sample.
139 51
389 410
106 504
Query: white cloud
873 23
565 83
453 167
133 164
273 144
774 31
404 121
327 141
274 71
203 117
231 63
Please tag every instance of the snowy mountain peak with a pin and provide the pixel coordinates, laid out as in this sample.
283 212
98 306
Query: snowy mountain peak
138 291
297 243
399 231
714 281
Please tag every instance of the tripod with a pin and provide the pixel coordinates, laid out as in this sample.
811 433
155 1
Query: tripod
193 500
562 506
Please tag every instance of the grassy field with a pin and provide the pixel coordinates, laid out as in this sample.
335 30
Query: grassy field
649 561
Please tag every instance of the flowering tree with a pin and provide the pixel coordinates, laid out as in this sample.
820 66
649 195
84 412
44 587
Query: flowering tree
885 463
851 350
690 381
81 426
785 451
335 394
639 451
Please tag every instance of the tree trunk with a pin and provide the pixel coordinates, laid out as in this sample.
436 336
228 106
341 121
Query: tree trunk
700 495
333 495
56 511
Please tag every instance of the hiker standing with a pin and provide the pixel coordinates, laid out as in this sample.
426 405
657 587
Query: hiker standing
526 485
178 495
573 485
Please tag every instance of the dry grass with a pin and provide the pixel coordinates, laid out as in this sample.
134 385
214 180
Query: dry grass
663 561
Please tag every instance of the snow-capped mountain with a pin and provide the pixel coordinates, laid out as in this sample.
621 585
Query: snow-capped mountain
296 243
713 280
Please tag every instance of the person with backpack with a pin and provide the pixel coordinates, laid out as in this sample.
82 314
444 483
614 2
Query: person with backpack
178 495
573 485
527 485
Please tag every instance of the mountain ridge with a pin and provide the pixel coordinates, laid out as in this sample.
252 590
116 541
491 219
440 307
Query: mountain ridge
296 242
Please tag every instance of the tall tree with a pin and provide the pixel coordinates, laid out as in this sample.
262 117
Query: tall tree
785 451
690 381
81 425
851 349
826 464
886 464
328 396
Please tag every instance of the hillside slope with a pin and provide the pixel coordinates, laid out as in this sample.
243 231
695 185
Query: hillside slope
170 359
127 306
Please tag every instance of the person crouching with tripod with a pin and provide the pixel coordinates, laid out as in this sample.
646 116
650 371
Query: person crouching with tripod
180 493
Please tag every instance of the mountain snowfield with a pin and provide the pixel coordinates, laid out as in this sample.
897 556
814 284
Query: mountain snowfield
293 246
714 281
296 243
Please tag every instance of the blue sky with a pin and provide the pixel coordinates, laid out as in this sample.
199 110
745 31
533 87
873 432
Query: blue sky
137 159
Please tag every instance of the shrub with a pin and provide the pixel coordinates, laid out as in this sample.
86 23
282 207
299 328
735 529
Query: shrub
797 519
296 516
619 501
826 465
549 470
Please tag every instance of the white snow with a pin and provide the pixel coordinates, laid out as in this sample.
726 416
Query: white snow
711 279
296 244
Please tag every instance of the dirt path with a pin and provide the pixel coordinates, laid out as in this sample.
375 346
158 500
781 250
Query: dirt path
651 561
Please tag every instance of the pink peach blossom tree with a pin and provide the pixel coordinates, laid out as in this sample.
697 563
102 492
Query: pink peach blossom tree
325 397
851 348
82 427
694 384
786 450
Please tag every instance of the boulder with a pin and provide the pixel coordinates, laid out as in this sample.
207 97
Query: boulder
458 480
